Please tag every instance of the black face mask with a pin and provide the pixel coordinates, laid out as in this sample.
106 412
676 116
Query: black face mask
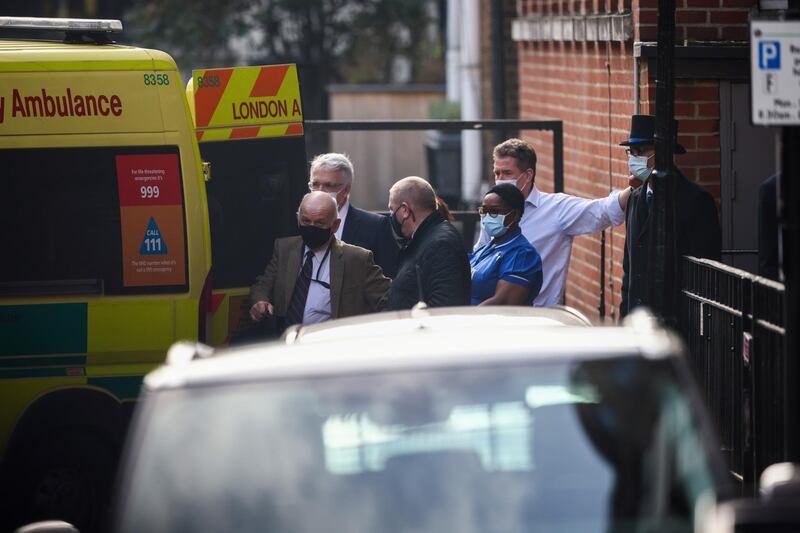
314 237
397 227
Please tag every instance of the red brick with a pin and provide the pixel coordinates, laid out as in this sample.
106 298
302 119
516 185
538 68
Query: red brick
685 110
646 16
689 142
708 110
699 126
710 141
701 33
699 159
691 17
709 174
697 94
740 3
734 33
734 16
647 32
696 4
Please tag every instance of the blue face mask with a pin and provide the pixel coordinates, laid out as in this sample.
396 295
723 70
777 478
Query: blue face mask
494 226
637 164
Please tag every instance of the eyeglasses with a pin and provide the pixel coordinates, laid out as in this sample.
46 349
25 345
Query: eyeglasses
492 211
324 186
637 151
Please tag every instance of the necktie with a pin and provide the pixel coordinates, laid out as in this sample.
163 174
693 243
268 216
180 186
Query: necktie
297 305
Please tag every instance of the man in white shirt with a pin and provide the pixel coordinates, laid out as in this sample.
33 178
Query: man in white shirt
550 221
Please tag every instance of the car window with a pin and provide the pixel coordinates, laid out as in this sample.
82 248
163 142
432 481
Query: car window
596 446
114 215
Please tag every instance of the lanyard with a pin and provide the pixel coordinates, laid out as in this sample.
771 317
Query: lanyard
324 258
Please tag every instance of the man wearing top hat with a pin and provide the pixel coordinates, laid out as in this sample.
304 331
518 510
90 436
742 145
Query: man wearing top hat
696 221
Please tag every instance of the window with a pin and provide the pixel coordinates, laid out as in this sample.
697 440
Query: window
255 189
62 223
593 446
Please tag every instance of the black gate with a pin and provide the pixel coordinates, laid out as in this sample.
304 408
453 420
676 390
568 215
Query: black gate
733 323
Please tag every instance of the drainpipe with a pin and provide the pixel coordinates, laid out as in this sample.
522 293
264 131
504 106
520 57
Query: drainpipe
453 57
498 67
471 149
637 79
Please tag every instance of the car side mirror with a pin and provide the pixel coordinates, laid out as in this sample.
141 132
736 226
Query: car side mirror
48 526
776 510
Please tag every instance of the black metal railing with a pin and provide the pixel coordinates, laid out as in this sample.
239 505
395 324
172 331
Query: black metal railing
733 323
556 126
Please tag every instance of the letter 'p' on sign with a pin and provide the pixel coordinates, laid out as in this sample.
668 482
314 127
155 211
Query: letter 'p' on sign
769 55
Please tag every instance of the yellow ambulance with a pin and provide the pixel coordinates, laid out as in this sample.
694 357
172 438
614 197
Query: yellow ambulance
105 260
249 123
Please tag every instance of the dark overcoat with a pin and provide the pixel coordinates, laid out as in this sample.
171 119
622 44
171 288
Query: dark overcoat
699 235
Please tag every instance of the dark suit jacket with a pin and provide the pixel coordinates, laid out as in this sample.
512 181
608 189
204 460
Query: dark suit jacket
357 285
699 235
373 232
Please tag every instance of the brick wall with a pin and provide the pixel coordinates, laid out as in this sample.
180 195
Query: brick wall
589 85
696 20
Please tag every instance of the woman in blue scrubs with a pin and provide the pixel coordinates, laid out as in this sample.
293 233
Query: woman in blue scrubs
507 270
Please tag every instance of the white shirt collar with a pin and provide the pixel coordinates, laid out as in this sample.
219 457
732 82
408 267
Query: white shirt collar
533 196
318 255
343 216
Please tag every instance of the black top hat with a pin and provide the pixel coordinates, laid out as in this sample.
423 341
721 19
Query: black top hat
643 129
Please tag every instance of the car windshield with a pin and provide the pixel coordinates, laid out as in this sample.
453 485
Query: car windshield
596 446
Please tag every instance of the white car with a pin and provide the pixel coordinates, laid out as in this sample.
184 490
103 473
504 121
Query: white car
461 419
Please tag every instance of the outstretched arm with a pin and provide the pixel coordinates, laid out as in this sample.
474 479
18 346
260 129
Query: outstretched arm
578 216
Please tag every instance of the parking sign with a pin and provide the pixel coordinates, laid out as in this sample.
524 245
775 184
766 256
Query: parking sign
775 72
769 55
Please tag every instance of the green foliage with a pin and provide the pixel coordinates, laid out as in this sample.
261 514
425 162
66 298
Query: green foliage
333 41
445 110
195 33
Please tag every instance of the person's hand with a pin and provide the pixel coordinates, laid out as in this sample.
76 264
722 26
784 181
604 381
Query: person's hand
634 182
261 309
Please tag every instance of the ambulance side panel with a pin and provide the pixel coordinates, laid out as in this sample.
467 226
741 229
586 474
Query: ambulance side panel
109 251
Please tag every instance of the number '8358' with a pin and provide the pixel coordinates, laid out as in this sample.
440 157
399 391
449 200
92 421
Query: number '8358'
207 81
156 79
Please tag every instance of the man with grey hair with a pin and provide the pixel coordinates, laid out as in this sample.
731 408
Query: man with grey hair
332 173
433 265
316 277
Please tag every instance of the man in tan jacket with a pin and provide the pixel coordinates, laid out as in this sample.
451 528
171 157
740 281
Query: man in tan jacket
316 277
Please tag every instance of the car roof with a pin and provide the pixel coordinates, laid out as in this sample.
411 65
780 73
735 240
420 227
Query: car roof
415 340
440 318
